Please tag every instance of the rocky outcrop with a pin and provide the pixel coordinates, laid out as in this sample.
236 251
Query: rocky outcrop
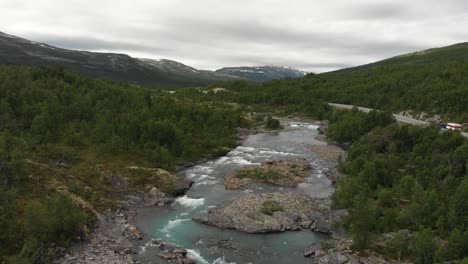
279 172
339 252
328 222
154 197
110 243
245 213
167 182
173 254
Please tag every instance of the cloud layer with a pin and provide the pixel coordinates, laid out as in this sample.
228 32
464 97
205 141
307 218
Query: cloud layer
314 36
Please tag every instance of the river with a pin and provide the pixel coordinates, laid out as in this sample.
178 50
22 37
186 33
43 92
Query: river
172 223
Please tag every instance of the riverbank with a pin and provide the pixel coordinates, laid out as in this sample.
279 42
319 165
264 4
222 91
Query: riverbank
115 239
118 240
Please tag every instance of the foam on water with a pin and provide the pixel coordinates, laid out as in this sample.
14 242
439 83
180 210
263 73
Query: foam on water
199 173
148 244
235 160
207 182
206 176
274 152
190 202
195 256
245 149
313 126
306 125
201 169
222 261
173 223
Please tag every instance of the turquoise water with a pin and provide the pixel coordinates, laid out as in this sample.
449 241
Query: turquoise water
206 244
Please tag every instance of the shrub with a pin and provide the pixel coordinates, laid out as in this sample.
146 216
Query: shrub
259 174
272 123
270 207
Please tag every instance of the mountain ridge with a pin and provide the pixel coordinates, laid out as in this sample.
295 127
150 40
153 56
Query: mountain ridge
15 50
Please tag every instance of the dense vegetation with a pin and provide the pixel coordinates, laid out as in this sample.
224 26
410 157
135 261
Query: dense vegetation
405 178
59 133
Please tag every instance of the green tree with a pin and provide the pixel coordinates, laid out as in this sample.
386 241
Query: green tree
362 222
423 246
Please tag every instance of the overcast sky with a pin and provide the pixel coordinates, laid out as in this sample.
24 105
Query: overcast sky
310 35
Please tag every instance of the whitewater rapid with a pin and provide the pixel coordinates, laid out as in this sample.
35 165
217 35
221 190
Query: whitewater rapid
173 223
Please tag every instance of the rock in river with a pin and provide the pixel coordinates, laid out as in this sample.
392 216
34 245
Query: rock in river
248 213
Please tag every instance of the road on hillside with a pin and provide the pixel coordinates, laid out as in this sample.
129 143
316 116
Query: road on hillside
399 118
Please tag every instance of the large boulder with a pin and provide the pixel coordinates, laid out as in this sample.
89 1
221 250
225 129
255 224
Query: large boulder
154 197
180 185
163 180
327 222
313 250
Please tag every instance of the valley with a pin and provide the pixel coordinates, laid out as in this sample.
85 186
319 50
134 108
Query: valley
116 168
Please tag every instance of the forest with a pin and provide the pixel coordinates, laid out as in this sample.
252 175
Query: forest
403 179
57 127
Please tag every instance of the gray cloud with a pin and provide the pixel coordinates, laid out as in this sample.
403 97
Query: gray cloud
380 11
90 43
209 34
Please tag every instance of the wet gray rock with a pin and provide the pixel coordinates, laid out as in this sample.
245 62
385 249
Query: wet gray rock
322 129
176 255
154 197
312 249
181 185
327 222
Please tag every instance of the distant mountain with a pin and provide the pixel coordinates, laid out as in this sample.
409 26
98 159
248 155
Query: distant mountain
19 51
262 73
181 71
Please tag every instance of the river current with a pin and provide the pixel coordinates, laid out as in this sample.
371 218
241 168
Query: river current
206 245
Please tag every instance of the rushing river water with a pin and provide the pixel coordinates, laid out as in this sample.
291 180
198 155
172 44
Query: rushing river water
206 244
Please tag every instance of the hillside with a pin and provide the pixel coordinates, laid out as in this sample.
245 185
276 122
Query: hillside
456 52
432 81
